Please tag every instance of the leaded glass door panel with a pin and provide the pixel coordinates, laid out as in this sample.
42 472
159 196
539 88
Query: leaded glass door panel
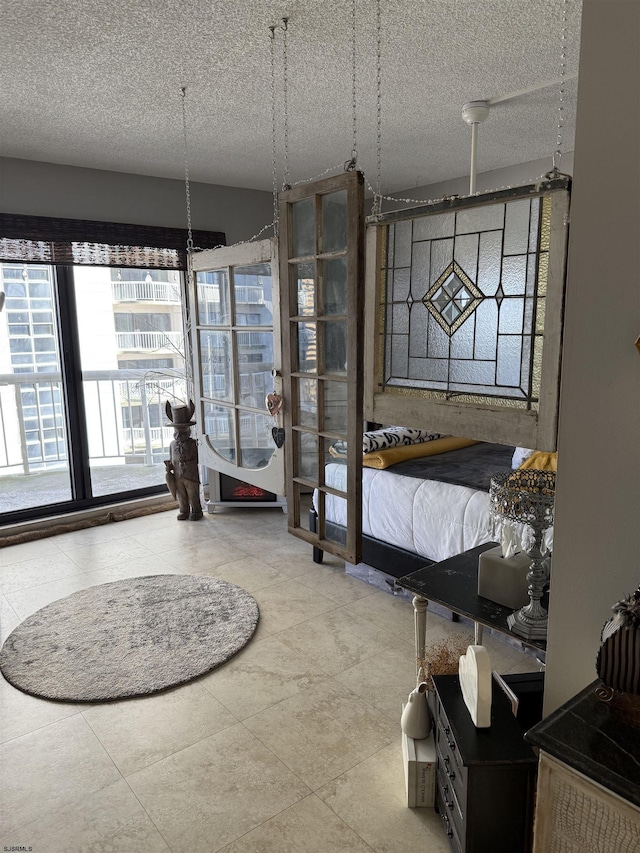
234 306
321 274
464 319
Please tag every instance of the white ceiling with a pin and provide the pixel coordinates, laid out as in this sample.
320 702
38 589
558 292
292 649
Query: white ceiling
96 83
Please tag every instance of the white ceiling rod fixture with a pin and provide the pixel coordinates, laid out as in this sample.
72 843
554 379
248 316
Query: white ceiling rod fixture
545 84
473 114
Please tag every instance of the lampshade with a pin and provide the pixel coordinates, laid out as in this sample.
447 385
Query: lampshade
525 496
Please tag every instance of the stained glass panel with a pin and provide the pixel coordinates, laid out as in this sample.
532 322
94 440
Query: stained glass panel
465 302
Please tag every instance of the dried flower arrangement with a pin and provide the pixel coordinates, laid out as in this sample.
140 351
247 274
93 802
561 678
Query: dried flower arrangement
443 657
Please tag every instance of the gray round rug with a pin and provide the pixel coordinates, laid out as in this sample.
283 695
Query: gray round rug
129 637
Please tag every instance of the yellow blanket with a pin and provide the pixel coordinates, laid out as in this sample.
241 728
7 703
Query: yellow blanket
540 460
385 458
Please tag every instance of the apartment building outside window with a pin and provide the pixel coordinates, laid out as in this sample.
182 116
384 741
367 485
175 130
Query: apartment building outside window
89 355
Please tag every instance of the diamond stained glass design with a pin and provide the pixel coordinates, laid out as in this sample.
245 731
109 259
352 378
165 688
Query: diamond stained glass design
476 333
452 298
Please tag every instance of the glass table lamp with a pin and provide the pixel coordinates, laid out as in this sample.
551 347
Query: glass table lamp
527 497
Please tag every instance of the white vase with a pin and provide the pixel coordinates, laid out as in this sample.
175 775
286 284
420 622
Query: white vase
416 717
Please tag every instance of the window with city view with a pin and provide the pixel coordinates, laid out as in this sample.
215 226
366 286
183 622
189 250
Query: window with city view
91 349
132 360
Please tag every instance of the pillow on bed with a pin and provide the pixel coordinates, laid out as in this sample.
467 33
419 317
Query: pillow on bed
391 455
519 456
338 450
395 436
541 461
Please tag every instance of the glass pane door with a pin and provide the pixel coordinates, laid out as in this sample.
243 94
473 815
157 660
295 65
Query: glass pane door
321 270
84 419
236 343
34 467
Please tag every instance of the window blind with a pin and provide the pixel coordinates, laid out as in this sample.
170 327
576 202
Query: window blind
55 240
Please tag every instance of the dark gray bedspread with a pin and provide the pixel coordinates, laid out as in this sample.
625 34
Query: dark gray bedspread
469 466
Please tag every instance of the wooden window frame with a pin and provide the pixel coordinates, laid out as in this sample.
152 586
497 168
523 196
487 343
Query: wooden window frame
353 183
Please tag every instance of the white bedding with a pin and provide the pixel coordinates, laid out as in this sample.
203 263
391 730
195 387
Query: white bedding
435 520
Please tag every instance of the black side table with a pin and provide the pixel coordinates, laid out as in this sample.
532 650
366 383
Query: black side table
453 583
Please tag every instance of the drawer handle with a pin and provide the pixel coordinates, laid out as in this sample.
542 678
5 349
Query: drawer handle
449 831
450 774
448 803
450 743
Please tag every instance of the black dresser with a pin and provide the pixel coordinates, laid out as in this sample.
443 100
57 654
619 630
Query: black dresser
486 778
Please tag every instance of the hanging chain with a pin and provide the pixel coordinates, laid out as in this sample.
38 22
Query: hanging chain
351 164
187 189
186 315
557 154
285 97
274 164
321 175
376 209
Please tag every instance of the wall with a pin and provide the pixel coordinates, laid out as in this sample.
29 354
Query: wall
597 533
47 189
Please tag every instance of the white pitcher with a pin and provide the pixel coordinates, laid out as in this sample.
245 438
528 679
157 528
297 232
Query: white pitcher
416 719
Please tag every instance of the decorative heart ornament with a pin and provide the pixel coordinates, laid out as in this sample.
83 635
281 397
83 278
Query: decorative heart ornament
274 404
475 682
277 434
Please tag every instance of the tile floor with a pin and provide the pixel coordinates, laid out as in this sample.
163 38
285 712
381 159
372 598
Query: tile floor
291 747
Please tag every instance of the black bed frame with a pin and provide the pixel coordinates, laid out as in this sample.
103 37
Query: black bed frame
389 559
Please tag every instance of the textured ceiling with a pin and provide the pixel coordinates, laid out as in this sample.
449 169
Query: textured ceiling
97 84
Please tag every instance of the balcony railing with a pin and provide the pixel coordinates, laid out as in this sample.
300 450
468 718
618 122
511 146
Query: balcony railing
145 291
149 341
243 294
125 415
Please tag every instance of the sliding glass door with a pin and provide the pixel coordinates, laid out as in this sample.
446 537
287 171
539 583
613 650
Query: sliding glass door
34 462
89 356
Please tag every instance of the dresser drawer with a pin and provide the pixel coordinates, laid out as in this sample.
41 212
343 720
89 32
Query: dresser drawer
448 777
449 757
446 741
452 805
449 822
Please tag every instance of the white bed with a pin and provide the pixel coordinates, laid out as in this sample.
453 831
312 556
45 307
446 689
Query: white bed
429 518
